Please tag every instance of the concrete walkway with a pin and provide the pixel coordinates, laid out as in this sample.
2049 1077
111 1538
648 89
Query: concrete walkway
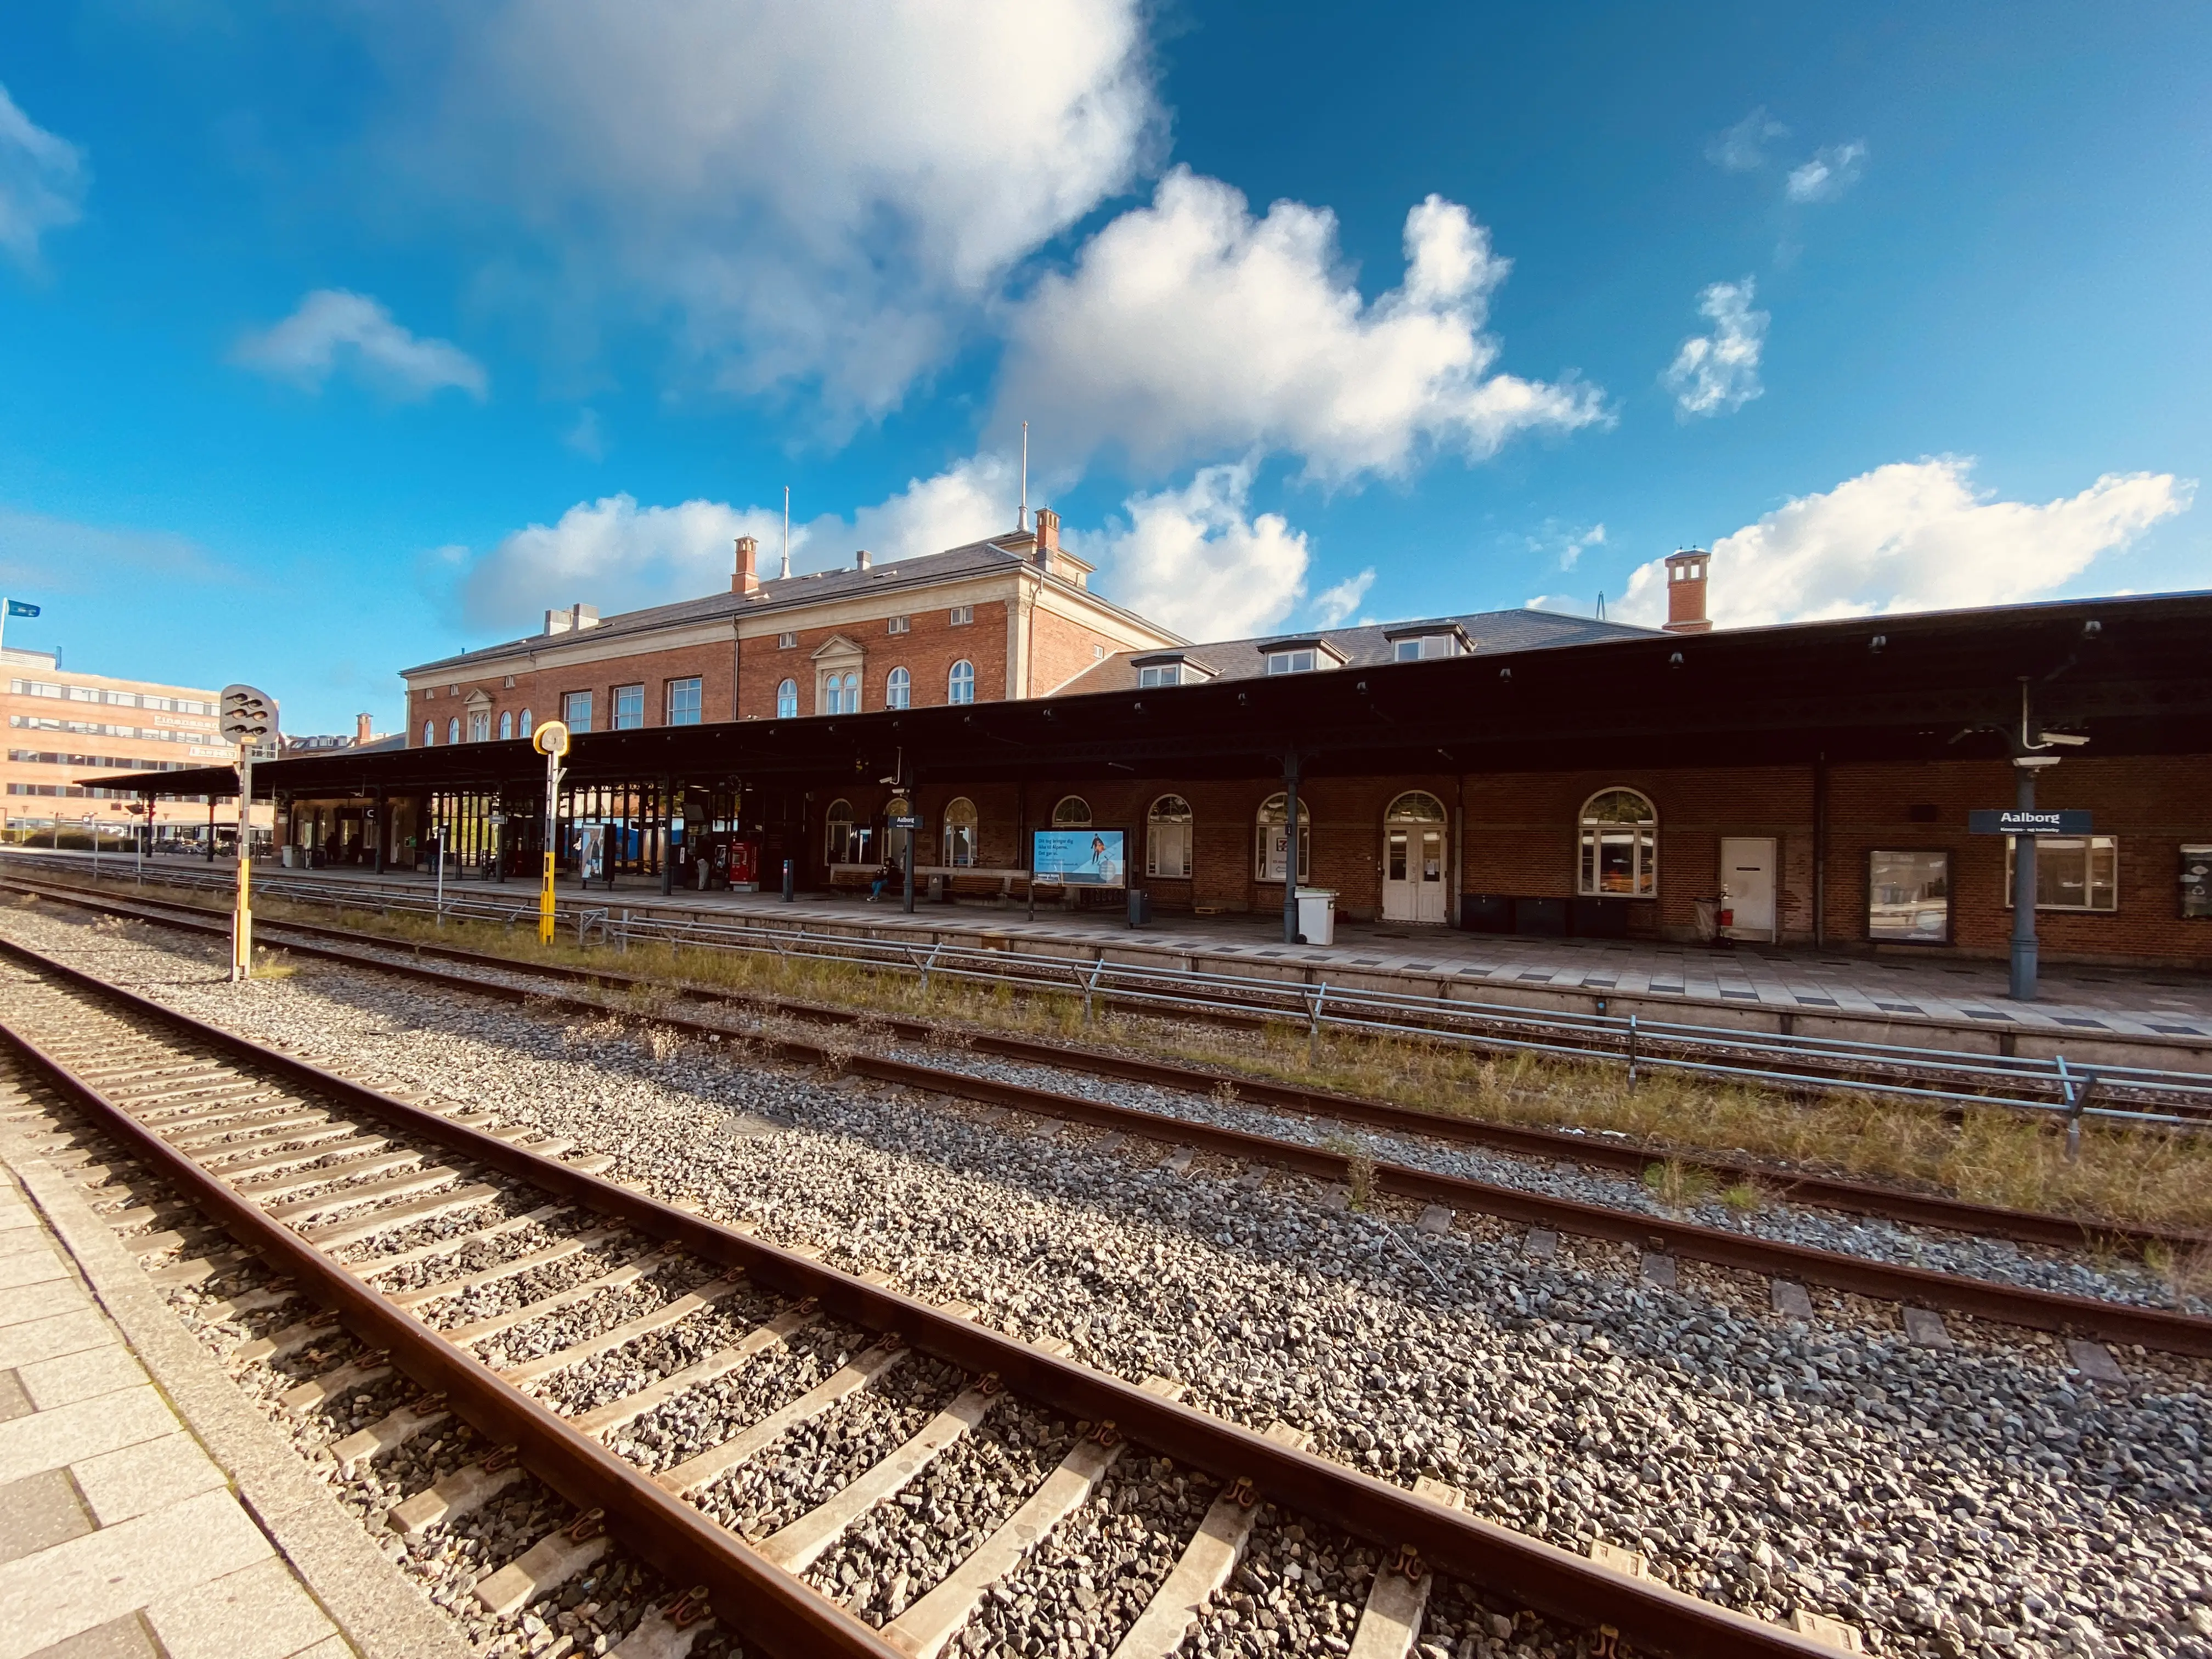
146 1509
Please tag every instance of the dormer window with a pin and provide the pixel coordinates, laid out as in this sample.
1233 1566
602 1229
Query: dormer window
1169 668
1427 644
1301 656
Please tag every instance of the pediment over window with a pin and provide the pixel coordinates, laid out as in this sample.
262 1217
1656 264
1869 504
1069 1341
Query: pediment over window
839 651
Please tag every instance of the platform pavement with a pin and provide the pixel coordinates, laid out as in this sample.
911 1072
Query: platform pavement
147 1511
2079 1003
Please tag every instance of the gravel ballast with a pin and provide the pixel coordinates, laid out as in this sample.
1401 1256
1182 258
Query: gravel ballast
1981 1499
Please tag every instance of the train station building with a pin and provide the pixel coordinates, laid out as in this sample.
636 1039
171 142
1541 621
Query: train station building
1508 772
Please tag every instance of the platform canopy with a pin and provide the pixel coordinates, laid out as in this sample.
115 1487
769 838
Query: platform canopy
2133 675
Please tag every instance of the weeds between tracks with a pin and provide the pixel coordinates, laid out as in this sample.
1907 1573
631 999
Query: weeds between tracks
2126 1175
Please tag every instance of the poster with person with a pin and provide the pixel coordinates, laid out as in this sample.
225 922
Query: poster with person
1081 858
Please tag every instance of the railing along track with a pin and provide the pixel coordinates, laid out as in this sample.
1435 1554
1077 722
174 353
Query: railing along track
1596 1150
766 1606
2052 1088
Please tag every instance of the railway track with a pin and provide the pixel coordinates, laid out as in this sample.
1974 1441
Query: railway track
1952 1077
1787 1267
243 1152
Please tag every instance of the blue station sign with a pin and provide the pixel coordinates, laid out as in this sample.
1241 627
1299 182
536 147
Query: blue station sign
2008 822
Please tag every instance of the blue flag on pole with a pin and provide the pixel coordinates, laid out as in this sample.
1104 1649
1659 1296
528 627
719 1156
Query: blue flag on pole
18 608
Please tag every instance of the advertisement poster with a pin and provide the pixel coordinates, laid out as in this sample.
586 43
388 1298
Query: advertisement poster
1079 858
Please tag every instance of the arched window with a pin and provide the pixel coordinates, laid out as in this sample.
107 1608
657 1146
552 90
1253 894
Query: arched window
480 725
961 833
1272 841
506 724
1167 838
839 840
1415 806
786 700
960 685
1073 813
429 732
453 729
1618 855
525 725
898 689
842 693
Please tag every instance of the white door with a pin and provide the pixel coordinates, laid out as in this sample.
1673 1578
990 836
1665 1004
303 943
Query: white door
1748 888
1414 860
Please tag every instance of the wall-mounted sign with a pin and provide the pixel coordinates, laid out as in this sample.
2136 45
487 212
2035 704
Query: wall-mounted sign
904 821
1079 858
2007 822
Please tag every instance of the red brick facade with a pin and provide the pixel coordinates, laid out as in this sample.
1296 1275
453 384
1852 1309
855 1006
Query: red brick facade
927 651
1517 834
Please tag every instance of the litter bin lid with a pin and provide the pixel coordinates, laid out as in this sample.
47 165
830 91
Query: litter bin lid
1317 892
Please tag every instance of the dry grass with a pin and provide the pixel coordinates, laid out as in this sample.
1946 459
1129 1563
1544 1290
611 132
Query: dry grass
2125 1175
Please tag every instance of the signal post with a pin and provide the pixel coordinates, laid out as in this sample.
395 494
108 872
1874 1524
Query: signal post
550 740
249 720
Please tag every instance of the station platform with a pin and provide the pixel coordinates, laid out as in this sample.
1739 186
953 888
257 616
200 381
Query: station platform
146 1509
2098 1014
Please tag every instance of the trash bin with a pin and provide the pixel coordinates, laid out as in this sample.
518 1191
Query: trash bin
1140 908
1317 914
937 889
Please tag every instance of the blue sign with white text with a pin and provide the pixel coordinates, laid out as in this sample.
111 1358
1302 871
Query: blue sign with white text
1078 857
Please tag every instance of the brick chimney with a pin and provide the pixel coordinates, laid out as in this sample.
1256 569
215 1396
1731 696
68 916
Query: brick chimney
747 578
364 729
1048 537
1686 591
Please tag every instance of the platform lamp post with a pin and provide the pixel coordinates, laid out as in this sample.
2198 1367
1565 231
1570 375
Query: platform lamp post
550 740
249 720
92 828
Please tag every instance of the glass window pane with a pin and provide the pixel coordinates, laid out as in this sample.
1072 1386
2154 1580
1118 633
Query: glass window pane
1909 897
1397 855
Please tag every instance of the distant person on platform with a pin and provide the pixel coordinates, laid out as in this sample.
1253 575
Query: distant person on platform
892 874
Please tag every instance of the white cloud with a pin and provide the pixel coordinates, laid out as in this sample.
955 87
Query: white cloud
1188 328
613 554
1717 373
586 437
1564 543
43 180
1191 558
967 501
618 555
823 190
332 328
1913 536
1830 172
1333 605
1742 148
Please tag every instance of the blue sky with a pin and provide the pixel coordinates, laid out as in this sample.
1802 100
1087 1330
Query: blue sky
334 339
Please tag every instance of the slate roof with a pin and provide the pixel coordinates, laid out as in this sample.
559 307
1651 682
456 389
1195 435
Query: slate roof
1489 632
783 593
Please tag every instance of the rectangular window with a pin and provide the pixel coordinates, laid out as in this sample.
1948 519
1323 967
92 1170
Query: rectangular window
1160 673
82 693
684 702
629 708
961 615
1427 646
122 699
902 625
2197 881
787 641
576 711
2072 872
1290 662
1167 848
1909 897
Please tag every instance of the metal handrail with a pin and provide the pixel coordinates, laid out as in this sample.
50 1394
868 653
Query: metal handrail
1951 1076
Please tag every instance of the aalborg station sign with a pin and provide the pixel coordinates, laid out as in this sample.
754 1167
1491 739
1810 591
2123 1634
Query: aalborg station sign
1995 822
